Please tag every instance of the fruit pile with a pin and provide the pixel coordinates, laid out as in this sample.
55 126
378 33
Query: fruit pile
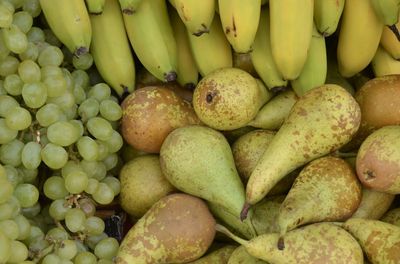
182 131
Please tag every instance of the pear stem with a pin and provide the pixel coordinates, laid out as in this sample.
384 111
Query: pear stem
245 211
222 229
281 243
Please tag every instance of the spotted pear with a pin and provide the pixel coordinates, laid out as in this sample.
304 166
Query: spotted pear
320 122
373 204
240 256
219 256
392 217
265 214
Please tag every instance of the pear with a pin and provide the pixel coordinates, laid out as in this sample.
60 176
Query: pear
142 184
240 256
320 122
177 229
219 256
272 115
311 244
373 204
227 98
392 217
233 135
129 153
265 215
325 190
378 160
243 61
379 240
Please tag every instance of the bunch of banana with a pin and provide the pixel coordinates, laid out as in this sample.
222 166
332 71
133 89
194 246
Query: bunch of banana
95 6
240 20
384 64
390 42
388 12
151 36
111 50
129 6
327 14
70 22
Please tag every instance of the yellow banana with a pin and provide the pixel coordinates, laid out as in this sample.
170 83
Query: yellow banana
111 50
211 51
384 64
151 36
95 6
291 32
129 6
388 13
359 36
196 15
390 42
327 14
240 21
333 76
187 70
70 22
315 68
261 56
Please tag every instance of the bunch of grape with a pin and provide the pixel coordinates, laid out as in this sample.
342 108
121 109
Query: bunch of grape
58 147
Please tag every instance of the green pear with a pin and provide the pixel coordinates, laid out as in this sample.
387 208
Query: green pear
177 229
373 204
240 256
219 256
198 160
273 113
325 190
265 215
320 122
312 244
233 135
379 240
392 217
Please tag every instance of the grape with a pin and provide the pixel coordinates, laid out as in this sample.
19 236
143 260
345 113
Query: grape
3 173
18 253
113 183
2 90
15 40
51 55
6 134
111 161
27 194
99 128
92 241
83 62
10 153
79 94
52 38
92 186
16 3
62 133
81 78
9 228
76 182
32 7
49 114
29 71
27 175
54 188
54 156
4 51
87 148
6 190
8 66
107 248
6 103
70 167
35 233
13 176
24 227
85 258
23 20
115 142
56 234
36 35
94 225
5 248
58 209
31 52
56 85
75 220
110 110
13 84
31 212
87 206
51 259
6 14
94 169
102 150
34 94
65 101
105 261
67 249
50 71
30 155
88 108
18 118
68 78
6 211
104 194
78 126
100 92
71 113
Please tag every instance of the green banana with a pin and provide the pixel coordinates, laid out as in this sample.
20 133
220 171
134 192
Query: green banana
115 64
388 13
384 64
95 6
327 14
390 42
151 36
129 6
261 56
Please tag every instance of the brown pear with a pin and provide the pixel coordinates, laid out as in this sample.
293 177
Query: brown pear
179 228
373 204
240 256
392 217
219 256
150 114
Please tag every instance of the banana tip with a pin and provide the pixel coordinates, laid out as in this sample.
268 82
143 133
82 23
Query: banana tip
244 212
170 76
81 51
278 89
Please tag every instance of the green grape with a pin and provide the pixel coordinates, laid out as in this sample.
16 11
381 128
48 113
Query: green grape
81 78
49 114
113 98
67 249
3 173
34 94
94 169
13 176
5 248
37 244
79 94
88 108
35 233
6 211
71 166
99 128
30 155
71 113
87 148
58 209
27 194
105 261
28 175
115 142
75 220
52 38
41 46
18 253
111 161
6 103
79 126
54 156
66 261
13 84
100 92
24 227
62 133
56 85
31 212
102 150
9 228
10 153
104 194
15 40
85 258
16 3
113 183
29 71
76 182
107 248
65 101
92 241
6 14
50 55
31 52
56 234
32 7
83 62
92 186
87 206
2 90
9 65
6 190
94 225
110 110
54 188
18 118
4 51
51 259
35 35
23 20
6 134
50 71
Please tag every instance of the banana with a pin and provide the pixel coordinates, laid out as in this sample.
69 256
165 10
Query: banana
291 31
70 22
315 68
388 13
359 37
151 36
187 70
384 64
129 6
115 64
196 15
261 56
95 6
390 42
333 76
327 14
240 21
211 51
